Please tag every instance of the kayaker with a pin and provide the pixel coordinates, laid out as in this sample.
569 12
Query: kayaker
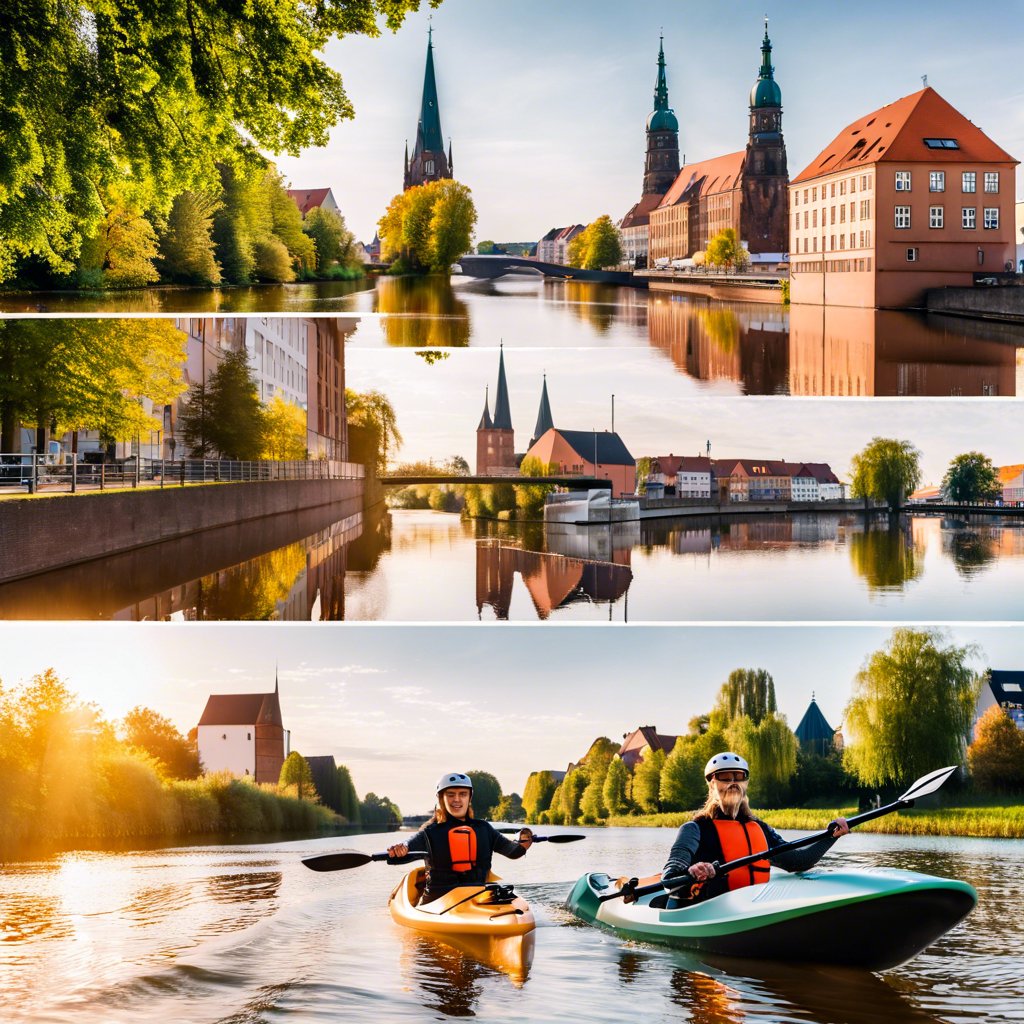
458 847
723 830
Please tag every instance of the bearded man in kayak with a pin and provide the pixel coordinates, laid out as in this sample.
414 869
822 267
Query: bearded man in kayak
458 847
723 830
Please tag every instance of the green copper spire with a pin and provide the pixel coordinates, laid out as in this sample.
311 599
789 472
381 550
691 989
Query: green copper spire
766 92
430 112
662 118
502 413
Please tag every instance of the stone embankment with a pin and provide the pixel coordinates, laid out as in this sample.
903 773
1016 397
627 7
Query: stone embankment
1002 303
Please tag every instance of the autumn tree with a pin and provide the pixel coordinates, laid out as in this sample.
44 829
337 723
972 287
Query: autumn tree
121 250
886 470
284 430
157 735
911 710
971 477
725 250
996 757
296 774
372 414
597 246
186 245
428 227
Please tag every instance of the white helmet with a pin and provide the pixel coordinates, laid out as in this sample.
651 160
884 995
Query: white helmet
725 762
451 779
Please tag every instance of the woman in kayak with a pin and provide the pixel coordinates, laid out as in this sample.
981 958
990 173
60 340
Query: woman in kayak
458 847
723 830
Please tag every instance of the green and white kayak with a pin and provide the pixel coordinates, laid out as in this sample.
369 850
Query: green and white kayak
874 919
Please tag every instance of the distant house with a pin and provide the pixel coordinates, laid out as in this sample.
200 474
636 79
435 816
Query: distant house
643 741
314 198
684 476
1005 689
596 453
243 733
1011 479
814 734
553 247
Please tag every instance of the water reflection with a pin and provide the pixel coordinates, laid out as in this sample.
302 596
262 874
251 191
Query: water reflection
885 554
422 311
973 549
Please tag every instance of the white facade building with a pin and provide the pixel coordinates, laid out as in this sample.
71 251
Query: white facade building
277 348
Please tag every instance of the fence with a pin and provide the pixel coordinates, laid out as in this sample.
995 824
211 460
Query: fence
42 473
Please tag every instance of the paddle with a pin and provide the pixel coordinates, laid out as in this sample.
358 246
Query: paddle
345 859
924 785
544 839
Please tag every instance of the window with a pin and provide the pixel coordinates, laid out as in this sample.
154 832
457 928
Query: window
942 143
903 181
969 217
796 197
429 167
969 182
902 217
814 192
865 182
814 218
842 214
936 181
832 214
805 194
991 217
865 209
796 220
912 255
991 181
853 185
842 187
936 216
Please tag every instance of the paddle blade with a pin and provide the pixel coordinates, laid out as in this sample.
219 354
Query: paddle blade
339 861
563 839
929 783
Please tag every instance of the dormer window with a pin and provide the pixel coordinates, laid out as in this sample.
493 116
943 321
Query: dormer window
942 143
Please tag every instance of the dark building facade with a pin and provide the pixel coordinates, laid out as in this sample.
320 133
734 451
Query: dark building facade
429 161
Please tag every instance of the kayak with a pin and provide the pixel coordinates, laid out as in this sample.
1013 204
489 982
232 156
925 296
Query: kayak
492 911
874 919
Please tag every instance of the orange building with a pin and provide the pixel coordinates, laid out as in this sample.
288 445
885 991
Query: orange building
595 453
910 197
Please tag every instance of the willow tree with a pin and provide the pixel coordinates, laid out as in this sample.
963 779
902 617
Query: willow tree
749 692
912 708
886 470
646 790
770 747
537 793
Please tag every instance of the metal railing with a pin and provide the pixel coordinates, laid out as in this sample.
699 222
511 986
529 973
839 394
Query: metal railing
21 473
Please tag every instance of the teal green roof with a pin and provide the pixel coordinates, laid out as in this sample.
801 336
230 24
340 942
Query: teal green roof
662 121
766 91
662 118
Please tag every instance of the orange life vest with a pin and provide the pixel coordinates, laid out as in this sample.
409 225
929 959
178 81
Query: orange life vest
722 840
462 848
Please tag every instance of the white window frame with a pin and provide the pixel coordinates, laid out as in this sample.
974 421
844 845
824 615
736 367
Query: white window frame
936 181
969 182
936 216
992 182
969 218
903 181
912 254
901 214
991 218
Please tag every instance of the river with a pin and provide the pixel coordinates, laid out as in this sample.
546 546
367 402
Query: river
737 348
246 933
412 566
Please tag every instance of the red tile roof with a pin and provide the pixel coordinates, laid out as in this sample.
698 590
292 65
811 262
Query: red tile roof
672 465
242 709
896 132
640 214
720 174
308 199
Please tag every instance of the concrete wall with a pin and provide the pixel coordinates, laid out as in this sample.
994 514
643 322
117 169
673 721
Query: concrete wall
1001 303
39 534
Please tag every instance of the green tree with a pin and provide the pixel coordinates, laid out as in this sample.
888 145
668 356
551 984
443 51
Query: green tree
288 226
428 227
87 375
996 757
724 250
348 801
284 430
646 792
271 260
379 810
373 412
486 247
452 221
510 808
147 730
597 246
95 95
576 250
530 497
225 415
333 241
971 477
911 710
537 794
747 692
486 793
295 772
682 779
615 782
770 747
186 246
886 470
566 802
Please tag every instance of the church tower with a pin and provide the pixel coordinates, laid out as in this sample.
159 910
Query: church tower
662 164
495 439
765 174
428 161
544 419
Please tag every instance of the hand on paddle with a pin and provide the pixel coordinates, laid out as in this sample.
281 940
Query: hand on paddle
525 838
398 850
838 828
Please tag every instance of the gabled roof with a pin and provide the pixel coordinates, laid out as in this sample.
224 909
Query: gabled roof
813 726
672 465
1007 686
709 177
308 199
242 709
822 472
640 213
897 132
607 446
761 467
645 736
1008 473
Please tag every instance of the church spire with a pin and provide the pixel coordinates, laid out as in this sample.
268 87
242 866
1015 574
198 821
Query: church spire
502 413
661 86
544 418
428 162
662 163
485 420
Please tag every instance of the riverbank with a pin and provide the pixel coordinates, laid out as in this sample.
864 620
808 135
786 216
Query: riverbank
995 822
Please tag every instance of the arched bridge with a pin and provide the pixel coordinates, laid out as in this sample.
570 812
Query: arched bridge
576 483
498 266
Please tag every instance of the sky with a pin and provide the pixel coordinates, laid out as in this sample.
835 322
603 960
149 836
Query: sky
400 705
657 413
546 103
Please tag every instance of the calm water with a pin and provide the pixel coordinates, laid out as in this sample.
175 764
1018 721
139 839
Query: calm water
246 934
430 566
738 348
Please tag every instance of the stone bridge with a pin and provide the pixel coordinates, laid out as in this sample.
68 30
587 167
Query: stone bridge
499 266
